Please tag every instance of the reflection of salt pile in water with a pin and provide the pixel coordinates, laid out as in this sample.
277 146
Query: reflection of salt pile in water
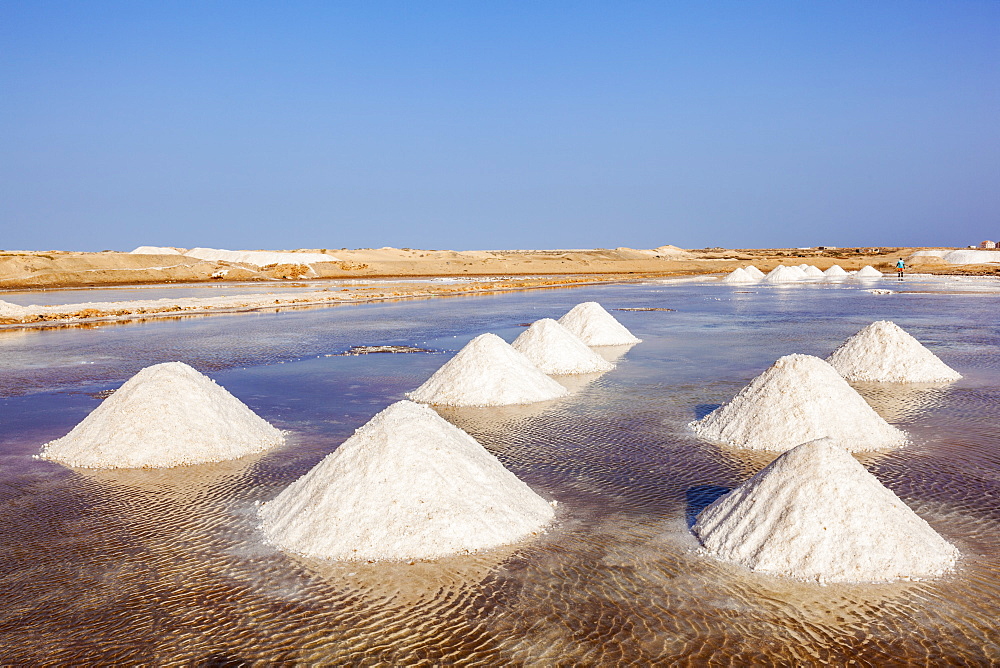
815 513
783 274
406 485
883 352
869 271
487 372
739 276
165 415
800 398
595 326
556 350
754 271
835 271
813 271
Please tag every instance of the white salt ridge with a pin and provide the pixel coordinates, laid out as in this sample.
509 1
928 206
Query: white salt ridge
964 256
556 350
799 398
835 271
595 326
883 352
166 415
754 271
869 271
156 250
739 276
815 513
258 258
13 311
487 372
406 485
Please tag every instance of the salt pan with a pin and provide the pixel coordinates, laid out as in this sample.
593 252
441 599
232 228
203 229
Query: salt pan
883 352
407 485
487 372
739 276
800 398
165 415
816 513
556 350
595 326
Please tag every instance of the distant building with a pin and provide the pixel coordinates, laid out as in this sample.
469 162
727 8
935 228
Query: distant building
987 244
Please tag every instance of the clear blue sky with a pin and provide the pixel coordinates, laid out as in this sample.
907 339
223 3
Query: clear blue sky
498 124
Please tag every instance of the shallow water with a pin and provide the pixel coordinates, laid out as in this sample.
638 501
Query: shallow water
167 566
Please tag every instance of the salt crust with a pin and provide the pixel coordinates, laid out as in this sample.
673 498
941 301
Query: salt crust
738 276
166 415
869 271
407 485
754 271
815 513
835 271
556 350
883 352
487 372
595 326
799 398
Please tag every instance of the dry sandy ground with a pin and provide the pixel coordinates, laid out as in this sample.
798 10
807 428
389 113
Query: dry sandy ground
506 270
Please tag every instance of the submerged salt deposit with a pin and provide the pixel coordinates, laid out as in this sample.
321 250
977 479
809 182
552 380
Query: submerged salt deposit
487 372
739 276
883 352
815 513
166 415
407 485
556 350
869 271
799 398
595 326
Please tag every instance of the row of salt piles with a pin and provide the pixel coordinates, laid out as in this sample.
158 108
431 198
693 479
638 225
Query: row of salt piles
815 512
794 274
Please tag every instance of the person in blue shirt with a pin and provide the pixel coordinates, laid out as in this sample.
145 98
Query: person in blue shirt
899 268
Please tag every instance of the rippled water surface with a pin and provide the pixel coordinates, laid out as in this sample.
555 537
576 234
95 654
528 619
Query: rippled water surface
167 566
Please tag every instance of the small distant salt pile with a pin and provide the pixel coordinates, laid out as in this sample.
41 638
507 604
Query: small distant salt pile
165 415
556 350
595 326
783 274
407 485
813 271
739 276
487 372
800 398
883 352
754 271
869 271
815 513
835 271
10 311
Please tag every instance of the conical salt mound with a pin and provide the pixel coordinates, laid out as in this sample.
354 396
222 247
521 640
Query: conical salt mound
800 398
815 513
869 271
556 350
754 271
783 274
835 271
165 415
813 271
487 372
739 276
407 485
883 352
595 326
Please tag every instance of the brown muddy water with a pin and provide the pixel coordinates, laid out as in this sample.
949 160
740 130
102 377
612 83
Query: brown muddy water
167 567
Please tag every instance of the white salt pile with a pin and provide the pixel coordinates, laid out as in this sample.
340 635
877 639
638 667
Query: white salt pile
556 350
783 274
156 250
963 256
595 326
739 276
258 258
754 271
869 271
165 415
815 513
835 271
883 352
487 372
800 398
12 311
813 271
407 485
